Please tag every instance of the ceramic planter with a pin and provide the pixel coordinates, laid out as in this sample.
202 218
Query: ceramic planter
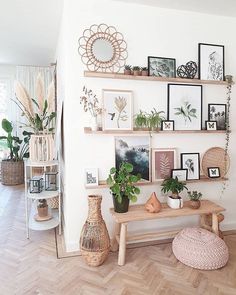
144 73
127 72
94 123
122 207
195 204
43 211
175 203
136 73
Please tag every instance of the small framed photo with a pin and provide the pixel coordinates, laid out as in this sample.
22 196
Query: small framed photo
211 125
91 176
181 174
213 172
163 162
191 162
168 125
218 113
184 104
161 67
118 109
211 61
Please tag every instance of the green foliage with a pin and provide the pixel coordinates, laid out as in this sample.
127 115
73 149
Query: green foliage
128 67
136 68
121 182
194 195
173 185
150 120
17 152
141 120
186 112
144 69
42 203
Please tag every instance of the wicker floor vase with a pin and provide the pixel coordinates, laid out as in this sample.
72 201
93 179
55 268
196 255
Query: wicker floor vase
94 239
12 172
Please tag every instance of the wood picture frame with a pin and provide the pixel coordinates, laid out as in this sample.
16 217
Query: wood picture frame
161 67
191 162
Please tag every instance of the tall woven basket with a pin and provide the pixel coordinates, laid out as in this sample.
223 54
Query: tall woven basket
94 239
12 172
41 148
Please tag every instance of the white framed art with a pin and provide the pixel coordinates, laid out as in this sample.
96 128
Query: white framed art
117 109
91 176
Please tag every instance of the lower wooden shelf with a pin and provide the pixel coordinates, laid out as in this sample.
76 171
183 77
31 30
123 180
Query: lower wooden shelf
102 184
43 225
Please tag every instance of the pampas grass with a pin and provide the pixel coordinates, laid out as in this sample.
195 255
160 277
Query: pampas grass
24 99
40 92
51 97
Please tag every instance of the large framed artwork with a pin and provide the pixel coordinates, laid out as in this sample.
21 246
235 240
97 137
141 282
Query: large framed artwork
117 109
134 150
211 61
185 106
217 112
161 67
163 162
191 162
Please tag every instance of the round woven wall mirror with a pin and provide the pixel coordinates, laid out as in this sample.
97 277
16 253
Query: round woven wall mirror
103 49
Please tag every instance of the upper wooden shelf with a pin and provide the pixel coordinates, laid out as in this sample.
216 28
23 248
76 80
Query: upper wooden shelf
150 78
88 130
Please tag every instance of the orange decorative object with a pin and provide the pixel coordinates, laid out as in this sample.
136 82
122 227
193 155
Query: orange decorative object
153 205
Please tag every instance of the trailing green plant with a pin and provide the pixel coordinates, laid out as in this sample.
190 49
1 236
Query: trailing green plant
128 67
42 203
40 113
141 119
173 185
18 148
154 119
121 182
194 195
136 68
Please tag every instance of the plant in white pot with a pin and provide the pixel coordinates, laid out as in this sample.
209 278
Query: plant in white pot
40 116
13 167
174 186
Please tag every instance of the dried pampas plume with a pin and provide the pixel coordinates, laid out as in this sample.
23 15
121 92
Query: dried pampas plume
24 99
40 92
51 97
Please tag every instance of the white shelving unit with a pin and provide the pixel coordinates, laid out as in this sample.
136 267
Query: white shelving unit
32 198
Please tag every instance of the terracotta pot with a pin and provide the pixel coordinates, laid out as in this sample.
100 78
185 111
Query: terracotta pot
144 73
127 72
94 238
42 212
122 207
136 73
195 204
175 203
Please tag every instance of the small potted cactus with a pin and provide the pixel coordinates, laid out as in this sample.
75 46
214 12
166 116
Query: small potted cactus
42 208
144 71
136 70
128 70
194 197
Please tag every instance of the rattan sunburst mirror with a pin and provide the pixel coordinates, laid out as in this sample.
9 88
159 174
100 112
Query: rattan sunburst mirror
103 49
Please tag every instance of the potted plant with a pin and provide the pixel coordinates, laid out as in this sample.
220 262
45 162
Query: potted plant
144 71
13 167
194 197
136 70
128 70
121 182
42 208
174 186
154 119
141 120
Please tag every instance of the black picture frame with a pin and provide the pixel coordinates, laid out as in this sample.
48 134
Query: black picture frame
209 172
171 117
207 125
167 121
212 73
163 74
192 175
183 170
221 124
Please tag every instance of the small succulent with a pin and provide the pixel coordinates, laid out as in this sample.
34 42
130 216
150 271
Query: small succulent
136 68
128 67
42 203
194 195
144 69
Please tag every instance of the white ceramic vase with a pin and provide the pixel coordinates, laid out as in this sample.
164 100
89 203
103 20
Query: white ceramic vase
94 123
41 148
175 203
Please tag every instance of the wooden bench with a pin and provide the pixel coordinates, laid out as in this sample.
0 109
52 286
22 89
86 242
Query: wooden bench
138 213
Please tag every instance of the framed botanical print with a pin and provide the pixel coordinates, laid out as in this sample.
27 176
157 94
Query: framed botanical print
217 113
167 125
161 67
117 109
185 106
134 150
163 162
181 174
213 172
91 176
211 61
191 162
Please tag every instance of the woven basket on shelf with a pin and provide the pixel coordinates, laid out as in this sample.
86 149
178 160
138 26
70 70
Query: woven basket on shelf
12 172
216 157
53 203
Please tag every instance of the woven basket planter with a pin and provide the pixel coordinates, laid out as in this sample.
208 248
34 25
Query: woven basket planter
41 148
12 172
53 203
201 249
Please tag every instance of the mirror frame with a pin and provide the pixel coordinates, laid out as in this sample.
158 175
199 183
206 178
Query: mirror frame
110 34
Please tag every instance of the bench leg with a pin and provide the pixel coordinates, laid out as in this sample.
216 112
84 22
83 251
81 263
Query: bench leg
215 224
114 243
122 246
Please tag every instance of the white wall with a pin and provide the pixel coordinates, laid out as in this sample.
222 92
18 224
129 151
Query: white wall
148 31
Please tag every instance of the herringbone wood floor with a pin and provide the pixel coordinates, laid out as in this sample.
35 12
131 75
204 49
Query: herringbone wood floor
31 266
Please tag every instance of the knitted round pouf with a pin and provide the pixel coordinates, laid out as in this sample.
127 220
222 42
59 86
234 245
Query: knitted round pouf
199 248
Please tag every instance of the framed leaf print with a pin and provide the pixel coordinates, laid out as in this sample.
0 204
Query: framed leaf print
117 109
163 162
185 106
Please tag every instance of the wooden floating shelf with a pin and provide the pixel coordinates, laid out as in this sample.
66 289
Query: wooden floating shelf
88 130
103 184
150 78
